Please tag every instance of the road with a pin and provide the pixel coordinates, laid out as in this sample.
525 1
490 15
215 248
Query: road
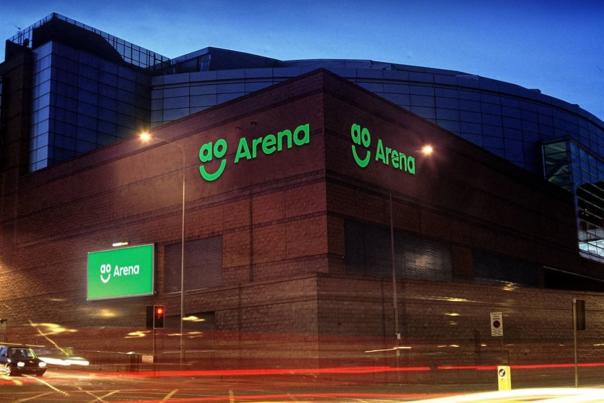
67 385
82 386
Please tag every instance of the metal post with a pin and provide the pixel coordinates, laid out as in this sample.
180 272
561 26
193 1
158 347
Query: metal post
153 333
397 332
394 288
182 245
182 261
575 341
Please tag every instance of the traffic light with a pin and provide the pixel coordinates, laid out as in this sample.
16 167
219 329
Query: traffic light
158 317
155 316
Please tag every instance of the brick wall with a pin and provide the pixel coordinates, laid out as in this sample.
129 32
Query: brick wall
449 323
270 213
286 291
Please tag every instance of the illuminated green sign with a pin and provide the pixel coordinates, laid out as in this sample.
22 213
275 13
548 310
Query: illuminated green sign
250 149
120 272
361 138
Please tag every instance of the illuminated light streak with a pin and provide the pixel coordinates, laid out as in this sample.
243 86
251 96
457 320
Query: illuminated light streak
389 349
5 380
518 366
288 396
558 395
337 370
193 318
66 362
467 367
136 334
266 371
54 361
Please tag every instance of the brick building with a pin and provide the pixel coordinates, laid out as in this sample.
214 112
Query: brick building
299 198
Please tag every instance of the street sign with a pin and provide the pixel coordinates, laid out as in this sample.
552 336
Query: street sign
120 272
504 377
497 324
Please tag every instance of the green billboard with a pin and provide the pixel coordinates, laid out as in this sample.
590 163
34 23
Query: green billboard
120 272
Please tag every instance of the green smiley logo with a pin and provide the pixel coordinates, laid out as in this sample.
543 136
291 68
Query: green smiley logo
362 138
207 153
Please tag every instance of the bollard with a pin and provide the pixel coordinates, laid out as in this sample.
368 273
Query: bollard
504 377
135 362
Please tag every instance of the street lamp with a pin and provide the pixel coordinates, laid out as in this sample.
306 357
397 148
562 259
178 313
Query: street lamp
427 150
146 137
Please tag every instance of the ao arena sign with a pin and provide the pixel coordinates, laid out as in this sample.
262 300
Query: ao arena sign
120 272
250 149
364 150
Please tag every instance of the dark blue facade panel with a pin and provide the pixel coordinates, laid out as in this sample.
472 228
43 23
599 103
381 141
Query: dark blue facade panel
92 101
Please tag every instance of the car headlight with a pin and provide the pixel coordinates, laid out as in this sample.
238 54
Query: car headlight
20 364
42 364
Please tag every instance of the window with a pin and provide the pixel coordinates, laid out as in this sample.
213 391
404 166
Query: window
496 267
368 252
203 264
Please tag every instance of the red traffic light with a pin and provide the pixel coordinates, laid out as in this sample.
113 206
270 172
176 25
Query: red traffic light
159 313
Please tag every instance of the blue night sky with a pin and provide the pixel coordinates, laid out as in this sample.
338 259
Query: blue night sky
555 46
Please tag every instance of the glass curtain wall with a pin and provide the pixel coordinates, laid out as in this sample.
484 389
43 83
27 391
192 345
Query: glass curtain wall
572 167
82 102
41 95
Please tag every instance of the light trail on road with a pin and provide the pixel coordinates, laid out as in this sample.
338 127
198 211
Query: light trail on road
280 397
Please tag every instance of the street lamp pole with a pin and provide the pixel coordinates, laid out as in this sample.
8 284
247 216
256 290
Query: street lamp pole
397 331
182 260
146 137
427 150
394 287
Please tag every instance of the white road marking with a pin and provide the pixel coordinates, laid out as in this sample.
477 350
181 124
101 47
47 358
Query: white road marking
101 397
91 394
168 396
34 397
47 384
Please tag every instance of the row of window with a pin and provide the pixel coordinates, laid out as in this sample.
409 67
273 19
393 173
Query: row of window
130 53
447 97
367 253
100 79
505 113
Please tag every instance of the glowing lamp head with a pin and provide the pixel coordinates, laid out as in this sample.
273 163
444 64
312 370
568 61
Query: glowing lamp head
427 150
145 137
